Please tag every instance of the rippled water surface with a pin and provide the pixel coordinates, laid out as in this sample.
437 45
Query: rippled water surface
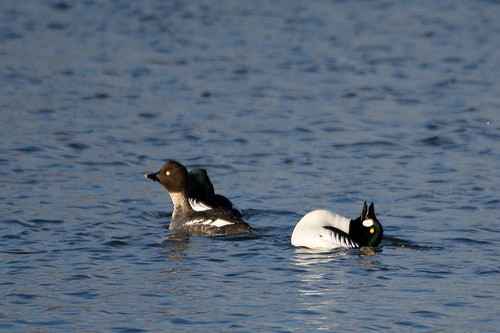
290 106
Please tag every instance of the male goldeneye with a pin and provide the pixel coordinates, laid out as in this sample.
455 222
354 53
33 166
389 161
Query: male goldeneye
175 179
201 193
322 229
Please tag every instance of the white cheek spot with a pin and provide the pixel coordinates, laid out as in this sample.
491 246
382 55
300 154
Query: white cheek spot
368 223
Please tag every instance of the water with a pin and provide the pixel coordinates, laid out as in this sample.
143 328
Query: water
290 106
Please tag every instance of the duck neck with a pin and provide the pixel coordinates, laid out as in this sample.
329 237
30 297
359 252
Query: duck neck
181 203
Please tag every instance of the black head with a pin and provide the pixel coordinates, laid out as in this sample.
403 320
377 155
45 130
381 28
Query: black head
199 183
366 230
173 176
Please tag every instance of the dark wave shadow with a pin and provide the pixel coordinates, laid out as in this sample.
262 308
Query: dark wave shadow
389 241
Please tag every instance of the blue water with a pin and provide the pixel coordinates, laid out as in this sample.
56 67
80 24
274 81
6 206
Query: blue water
290 106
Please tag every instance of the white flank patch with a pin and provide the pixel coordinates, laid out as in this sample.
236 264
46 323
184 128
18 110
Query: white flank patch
195 221
213 223
198 205
220 223
368 223
311 232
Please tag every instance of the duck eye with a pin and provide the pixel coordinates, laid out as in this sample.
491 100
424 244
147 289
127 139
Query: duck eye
167 173
372 230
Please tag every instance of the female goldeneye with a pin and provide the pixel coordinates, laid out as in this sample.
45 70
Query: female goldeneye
175 179
201 193
322 229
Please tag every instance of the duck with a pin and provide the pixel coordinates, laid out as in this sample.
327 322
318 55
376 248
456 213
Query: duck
174 177
324 230
201 193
